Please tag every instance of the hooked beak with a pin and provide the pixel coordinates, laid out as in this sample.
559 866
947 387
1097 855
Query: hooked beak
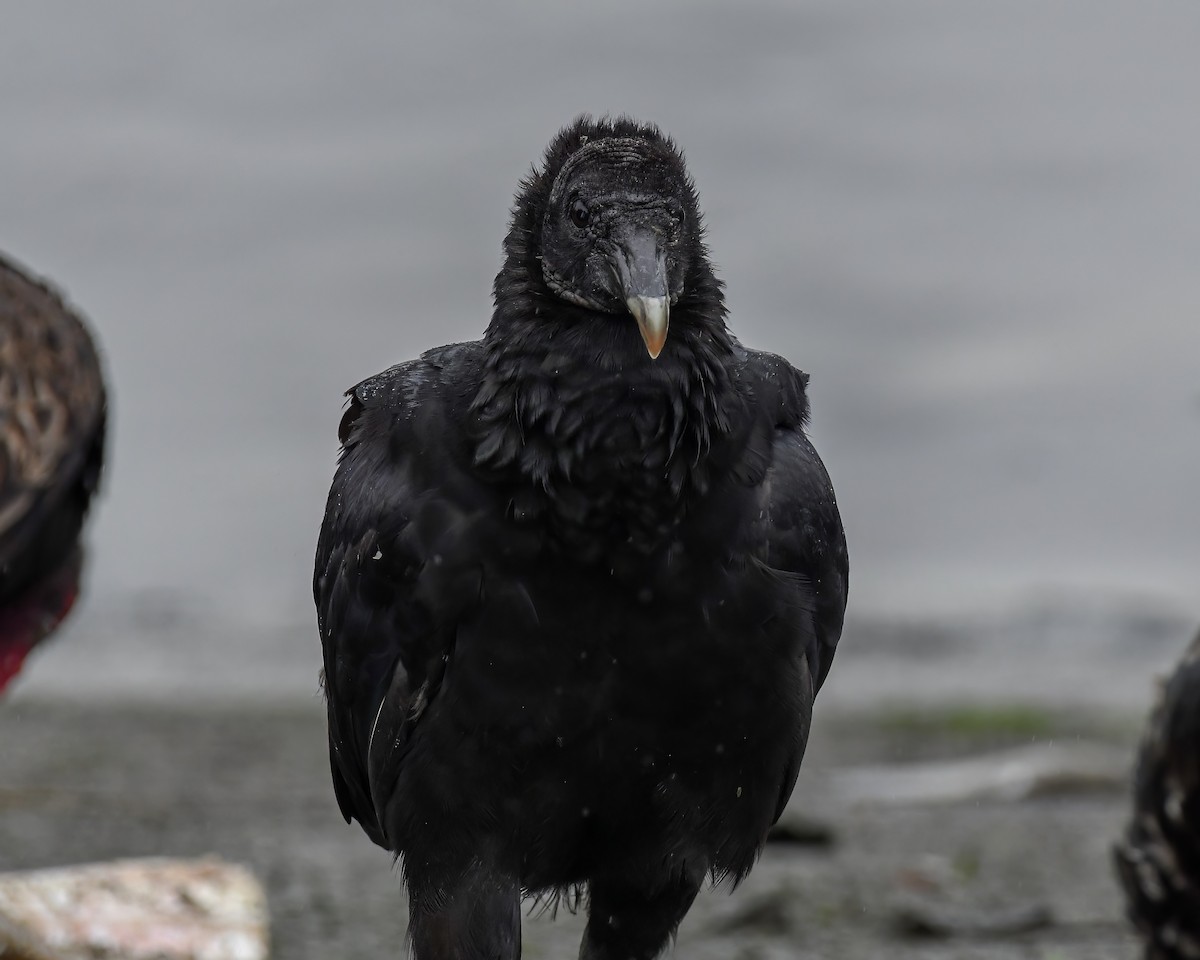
641 269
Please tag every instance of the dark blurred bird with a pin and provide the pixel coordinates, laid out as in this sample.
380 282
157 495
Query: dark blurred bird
1158 861
579 581
52 421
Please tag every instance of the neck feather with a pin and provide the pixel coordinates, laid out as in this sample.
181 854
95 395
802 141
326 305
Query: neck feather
597 441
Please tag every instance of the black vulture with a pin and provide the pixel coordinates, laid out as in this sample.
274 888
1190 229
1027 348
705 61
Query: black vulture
1158 860
52 422
578 582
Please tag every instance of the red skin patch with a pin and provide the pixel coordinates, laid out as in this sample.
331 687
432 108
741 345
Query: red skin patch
33 616
12 654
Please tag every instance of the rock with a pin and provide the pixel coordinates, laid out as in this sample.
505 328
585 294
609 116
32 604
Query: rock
1019 774
153 909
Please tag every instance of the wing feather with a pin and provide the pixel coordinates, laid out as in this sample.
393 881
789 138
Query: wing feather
387 608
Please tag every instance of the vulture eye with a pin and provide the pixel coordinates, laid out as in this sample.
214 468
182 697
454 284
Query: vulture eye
580 214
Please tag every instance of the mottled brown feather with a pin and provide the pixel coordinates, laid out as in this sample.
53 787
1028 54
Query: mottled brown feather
1158 859
52 414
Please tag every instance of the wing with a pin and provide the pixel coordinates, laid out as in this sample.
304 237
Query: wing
390 582
805 539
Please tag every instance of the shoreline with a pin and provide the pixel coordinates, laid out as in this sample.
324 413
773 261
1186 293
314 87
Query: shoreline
87 782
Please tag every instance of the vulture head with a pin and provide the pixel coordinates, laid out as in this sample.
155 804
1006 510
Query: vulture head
611 224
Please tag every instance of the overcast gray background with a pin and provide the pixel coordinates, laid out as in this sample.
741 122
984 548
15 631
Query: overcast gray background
977 225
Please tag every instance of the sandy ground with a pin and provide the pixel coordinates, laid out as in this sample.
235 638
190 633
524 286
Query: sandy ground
250 783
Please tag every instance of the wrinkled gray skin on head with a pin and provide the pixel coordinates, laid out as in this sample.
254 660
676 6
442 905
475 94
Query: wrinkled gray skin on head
617 229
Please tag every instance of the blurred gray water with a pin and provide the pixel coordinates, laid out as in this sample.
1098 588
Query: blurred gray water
977 225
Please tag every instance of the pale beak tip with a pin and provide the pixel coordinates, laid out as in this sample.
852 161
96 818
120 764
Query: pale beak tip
653 316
